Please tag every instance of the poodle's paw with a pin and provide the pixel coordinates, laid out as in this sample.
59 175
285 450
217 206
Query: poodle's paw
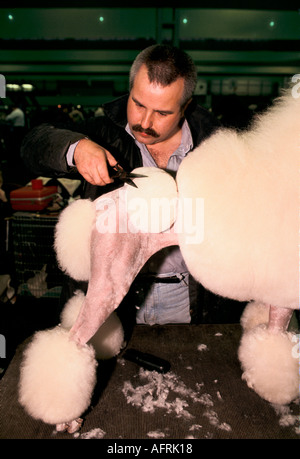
70 427
254 314
270 362
57 377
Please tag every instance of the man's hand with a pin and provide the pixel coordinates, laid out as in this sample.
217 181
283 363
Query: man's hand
91 161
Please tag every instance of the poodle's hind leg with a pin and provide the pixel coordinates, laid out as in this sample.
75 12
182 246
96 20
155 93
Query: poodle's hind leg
269 358
279 319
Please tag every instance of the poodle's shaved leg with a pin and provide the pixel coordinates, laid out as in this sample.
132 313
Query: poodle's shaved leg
279 319
70 427
116 259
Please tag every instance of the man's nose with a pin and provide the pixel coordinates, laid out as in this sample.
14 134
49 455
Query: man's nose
146 120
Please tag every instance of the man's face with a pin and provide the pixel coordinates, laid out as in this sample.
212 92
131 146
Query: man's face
154 111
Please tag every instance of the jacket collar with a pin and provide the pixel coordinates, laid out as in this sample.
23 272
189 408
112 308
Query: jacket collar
116 110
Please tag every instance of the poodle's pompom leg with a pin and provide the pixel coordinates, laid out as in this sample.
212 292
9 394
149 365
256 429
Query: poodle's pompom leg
108 340
254 314
71 309
270 361
73 238
57 377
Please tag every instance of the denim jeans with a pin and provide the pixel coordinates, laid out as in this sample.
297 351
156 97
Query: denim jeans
163 303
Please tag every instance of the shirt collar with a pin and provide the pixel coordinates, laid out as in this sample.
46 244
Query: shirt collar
186 144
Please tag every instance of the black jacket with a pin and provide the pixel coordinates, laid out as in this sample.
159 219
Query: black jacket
44 153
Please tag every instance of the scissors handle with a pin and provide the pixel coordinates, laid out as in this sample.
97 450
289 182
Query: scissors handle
116 172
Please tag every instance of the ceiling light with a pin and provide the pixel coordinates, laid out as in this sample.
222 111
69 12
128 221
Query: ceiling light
27 87
13 87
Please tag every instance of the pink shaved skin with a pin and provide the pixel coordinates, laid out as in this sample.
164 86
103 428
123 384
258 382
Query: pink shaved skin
279 319
116 259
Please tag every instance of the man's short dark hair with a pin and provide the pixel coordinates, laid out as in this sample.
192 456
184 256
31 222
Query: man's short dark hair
165 65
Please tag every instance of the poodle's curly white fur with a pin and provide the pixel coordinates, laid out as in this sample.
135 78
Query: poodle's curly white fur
57 377
250 186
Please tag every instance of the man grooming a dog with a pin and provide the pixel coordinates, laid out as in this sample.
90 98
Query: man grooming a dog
156 125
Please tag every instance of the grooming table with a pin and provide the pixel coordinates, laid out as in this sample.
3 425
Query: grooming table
201 397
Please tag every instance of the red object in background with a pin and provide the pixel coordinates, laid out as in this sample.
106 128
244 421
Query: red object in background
29 199
37 184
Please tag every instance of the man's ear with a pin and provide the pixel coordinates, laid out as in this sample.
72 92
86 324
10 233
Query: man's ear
185 106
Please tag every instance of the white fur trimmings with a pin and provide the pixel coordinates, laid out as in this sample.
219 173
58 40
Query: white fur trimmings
73 238
271 364
108 340
254 314
152 206
57 377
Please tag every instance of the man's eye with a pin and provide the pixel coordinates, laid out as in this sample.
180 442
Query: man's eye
162 113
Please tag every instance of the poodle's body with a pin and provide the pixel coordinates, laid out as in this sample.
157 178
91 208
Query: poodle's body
249 185
249 182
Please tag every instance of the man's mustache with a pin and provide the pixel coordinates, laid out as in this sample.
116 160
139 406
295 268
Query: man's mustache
148 131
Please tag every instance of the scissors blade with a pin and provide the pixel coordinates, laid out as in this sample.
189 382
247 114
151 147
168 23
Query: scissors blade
125 176
132 175
130 182
128 176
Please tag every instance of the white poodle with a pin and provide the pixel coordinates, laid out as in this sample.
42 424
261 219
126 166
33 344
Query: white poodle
248 185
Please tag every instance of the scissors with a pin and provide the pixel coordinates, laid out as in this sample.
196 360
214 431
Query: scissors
124 176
